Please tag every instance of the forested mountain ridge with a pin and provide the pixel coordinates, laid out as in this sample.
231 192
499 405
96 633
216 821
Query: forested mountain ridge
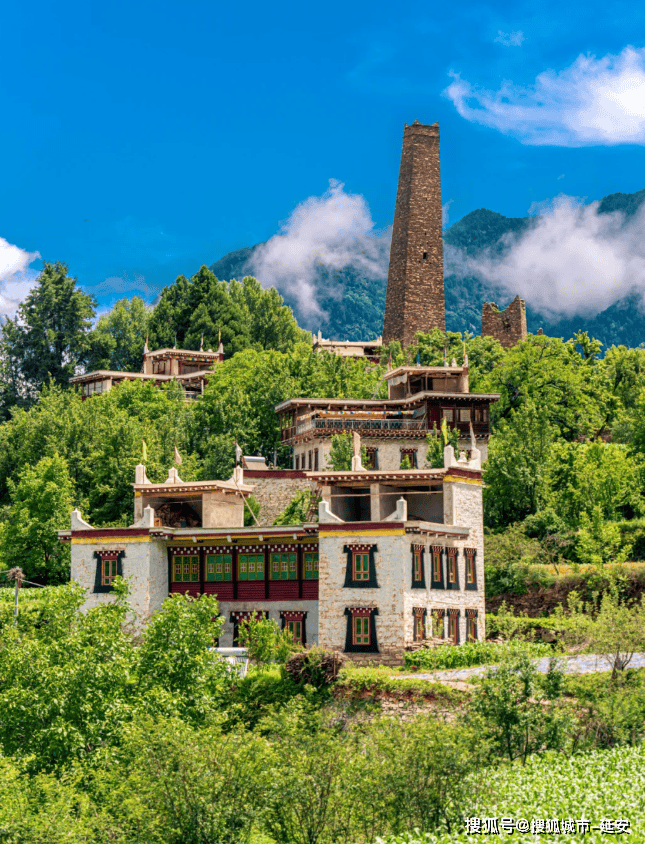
357 313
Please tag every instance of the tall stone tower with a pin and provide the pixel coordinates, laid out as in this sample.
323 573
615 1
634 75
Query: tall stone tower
415 299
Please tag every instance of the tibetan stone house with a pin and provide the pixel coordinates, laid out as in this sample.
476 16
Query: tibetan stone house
394 557
190 369
419 398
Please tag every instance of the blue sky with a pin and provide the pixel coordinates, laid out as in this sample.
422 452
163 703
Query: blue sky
143 139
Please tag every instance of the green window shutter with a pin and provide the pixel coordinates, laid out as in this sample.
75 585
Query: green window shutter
293 567
228 566
243 572
259 567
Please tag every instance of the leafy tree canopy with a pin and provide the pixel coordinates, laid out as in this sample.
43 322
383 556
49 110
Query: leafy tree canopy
118 339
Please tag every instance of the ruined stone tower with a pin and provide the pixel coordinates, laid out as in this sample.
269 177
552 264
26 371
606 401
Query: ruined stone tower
509 326
415 299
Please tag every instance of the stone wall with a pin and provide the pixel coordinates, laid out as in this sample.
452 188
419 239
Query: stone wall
508 326
273 610
144 564
274 490
415 294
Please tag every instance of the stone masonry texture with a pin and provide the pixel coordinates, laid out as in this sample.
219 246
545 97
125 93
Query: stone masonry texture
415 295
509 326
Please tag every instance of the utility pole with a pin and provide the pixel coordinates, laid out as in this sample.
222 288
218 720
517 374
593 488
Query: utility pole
16 575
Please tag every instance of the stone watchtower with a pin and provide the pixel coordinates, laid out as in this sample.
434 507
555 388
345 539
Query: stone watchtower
509 326
415 298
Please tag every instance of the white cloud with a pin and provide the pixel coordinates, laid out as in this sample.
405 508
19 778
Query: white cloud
16 276
594 101
333 231
510 39
571 261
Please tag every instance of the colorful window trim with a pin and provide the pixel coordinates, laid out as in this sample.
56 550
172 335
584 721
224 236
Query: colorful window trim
411 454
361 569
108 567
452 570
284 566
185 568
250 567
219 568
438 627
418 568
360 565
294 622
471 625
471 568
419 624
372 457
244 615
453 626
361 630
311 565
437 567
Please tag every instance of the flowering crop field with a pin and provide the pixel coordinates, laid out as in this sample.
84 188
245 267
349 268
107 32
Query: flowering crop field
593 787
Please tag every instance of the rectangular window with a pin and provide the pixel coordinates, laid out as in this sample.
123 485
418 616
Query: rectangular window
297 462
372 458
447 413
295 630
453 628
309 461
219 568
251 567
417 556
438 628
361 565
436 565
452 567
315 460
470 568
419 628
361 630
472 628
108 571
311 565
464 414
186 569
284 567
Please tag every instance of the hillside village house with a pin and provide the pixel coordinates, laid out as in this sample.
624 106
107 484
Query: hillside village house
190 369
419 398
396 555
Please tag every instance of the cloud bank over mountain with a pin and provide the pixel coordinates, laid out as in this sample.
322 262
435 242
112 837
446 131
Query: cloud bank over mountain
570 260
594 101
332 232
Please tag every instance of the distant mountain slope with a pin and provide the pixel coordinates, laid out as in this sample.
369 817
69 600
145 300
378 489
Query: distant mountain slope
355 305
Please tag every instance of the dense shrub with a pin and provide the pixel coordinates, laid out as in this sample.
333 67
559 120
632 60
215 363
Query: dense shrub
471 653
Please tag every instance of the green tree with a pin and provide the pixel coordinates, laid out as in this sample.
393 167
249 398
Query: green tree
516 471
41 503
341 453
48 338
118 339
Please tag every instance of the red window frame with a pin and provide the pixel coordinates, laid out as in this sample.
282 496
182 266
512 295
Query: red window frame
452 565
470 566
361 634
360 566
471 628
419 626
438 627
436 565
417 560
453 628
109 568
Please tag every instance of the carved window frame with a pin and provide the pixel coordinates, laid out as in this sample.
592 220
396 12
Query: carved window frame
353 613
470 570
99 586
418 567
437 554
452 569
365 583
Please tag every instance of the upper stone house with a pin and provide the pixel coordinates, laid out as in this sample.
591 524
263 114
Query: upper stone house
190 369
350 348
419 398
